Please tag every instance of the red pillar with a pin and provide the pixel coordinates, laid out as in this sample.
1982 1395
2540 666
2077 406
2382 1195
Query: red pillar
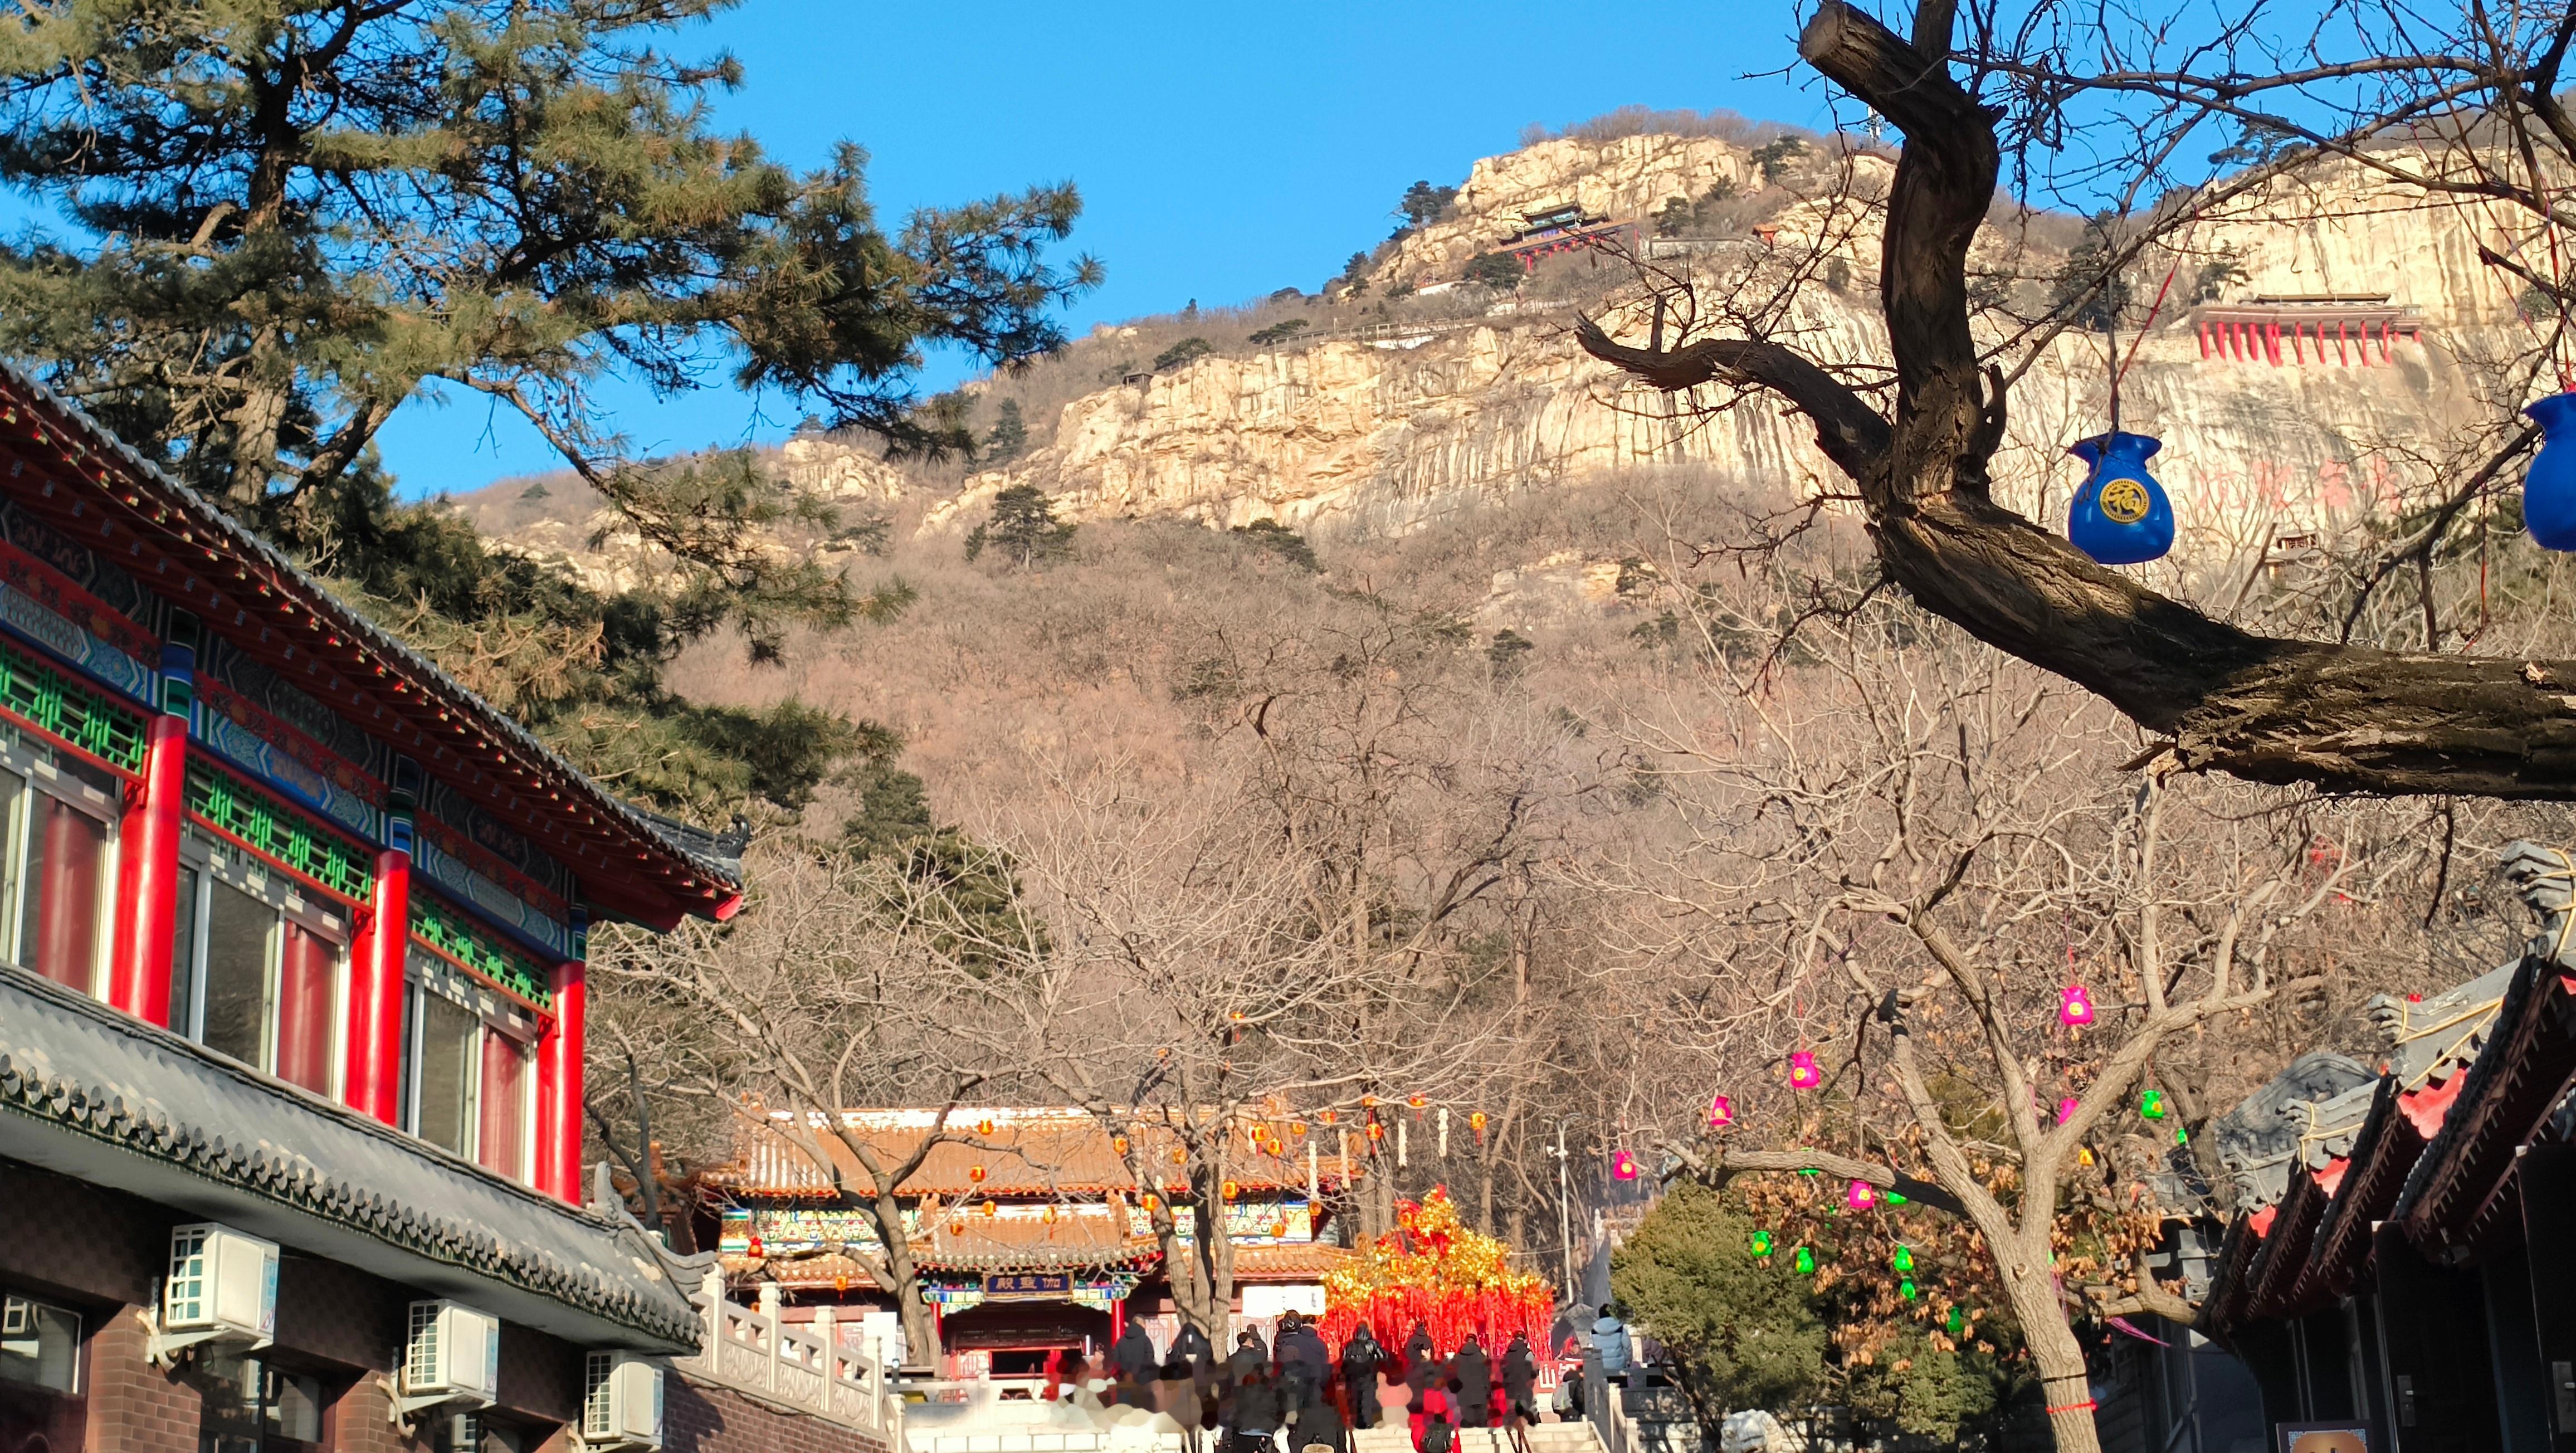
147 876
559 1087
376 987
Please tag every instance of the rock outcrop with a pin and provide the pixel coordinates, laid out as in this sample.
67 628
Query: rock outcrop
1341 432
1383 433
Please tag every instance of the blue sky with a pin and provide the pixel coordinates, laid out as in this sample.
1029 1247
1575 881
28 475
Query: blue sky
1223 151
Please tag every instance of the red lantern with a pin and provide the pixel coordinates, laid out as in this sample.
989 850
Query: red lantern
984 1126
1150 1202
1331 1116
1118 1143
1180 1156
975 1174
1298 1127
758 1252
991 1210
1230 1190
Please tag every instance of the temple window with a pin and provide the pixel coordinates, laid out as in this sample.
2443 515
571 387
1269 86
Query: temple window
40 1374
58 829
257 965
468 1074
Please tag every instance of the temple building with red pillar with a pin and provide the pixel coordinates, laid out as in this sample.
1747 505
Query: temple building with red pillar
1028 1230
292 930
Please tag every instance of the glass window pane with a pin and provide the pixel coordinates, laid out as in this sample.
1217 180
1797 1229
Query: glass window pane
294 1407
406 1093
505 1103
239 929
183 955
228 1419
308 1003
447 1035
60 923
39 1345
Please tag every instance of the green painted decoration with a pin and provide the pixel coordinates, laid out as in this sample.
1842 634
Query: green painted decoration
1762 1243
1958 1322
52 701
1806 1262
271 829
1893 1198
2151 1104
451 935
1906 1289
1903 1260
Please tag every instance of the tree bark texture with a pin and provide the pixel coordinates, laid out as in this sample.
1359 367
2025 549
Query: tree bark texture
2344 718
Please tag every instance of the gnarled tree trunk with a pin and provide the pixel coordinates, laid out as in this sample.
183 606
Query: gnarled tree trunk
2341 717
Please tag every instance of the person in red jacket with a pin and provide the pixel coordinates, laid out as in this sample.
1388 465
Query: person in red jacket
1435 1418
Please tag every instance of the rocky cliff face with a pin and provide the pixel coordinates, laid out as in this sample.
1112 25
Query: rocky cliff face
1625 179
1383 432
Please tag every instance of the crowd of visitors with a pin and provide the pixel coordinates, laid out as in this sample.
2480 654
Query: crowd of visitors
1295 1397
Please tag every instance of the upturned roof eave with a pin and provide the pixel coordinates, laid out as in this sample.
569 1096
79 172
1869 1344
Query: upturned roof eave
178 520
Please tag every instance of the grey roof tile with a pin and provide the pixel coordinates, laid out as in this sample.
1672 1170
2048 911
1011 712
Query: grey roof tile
98 1095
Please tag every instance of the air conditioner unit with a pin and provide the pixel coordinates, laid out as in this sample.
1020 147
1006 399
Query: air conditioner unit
222 1290
452 1355
621 1402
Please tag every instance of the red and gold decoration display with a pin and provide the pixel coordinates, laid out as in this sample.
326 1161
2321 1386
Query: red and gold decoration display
1435 1271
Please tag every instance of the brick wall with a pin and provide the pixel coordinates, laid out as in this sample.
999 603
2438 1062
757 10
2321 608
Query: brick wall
135 1407
100 1250
361 1422
74 1240
697 1418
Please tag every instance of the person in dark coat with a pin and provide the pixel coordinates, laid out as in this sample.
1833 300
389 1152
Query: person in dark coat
1192 1346
1255 1415
1302 1347
1319 1425
1362 1356
1132 1357
1520 1377
1421 1367
1473 1373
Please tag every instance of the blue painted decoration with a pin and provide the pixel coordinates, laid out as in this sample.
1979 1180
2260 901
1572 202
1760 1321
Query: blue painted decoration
2549 485
2121 516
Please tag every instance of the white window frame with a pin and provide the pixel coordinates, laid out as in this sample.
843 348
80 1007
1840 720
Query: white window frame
424 974
31 759
15 1305
217 861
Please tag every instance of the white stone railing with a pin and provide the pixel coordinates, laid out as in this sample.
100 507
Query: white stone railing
758 1353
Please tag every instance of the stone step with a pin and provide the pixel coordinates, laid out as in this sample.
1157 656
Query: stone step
1397 1437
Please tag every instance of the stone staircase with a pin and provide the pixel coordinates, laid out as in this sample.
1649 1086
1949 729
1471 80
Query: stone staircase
1397 1437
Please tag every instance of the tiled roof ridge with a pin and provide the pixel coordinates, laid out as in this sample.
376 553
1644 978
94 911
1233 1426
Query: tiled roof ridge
375 637
102 1113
